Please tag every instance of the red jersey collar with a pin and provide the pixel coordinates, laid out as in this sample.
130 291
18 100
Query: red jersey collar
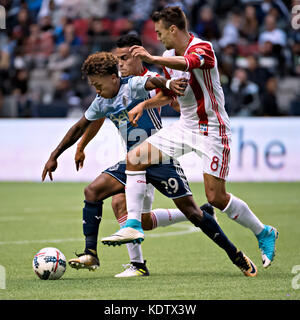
190 40
144 72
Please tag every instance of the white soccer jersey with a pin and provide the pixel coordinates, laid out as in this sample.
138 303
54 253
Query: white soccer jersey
202 106
204 124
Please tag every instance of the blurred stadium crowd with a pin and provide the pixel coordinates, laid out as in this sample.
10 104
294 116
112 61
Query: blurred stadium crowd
46 41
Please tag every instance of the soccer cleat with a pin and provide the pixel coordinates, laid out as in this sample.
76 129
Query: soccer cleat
245 264
85 261
124 235
266 242
207 207
131 232
134 269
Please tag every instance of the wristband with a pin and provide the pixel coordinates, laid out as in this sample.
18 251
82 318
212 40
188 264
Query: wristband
168 84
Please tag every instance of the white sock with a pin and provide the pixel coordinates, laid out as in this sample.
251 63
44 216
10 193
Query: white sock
239 211
135 192
166 217
134 249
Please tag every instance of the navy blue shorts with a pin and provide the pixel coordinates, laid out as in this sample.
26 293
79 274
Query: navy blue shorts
169 179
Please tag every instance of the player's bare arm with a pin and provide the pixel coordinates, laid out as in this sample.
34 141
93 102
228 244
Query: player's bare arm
159 100
178 86
74 133
177 63
88 135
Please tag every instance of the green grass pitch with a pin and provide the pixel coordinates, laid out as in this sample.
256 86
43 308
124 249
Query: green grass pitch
183 263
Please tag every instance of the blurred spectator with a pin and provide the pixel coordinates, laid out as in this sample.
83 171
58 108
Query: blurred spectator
206 26
227 57
269 105
4 75
22 28
68 35
51 8
24 104
63 61
141 11
64 95
46 41
33 7
246 95
256 73
39 45
249 25
295 48
99 38
267 57
272 33
231 30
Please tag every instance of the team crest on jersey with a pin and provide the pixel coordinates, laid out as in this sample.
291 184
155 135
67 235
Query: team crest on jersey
198 51
203 128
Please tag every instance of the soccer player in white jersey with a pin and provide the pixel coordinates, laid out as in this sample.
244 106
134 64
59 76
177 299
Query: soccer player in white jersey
151 218
203 126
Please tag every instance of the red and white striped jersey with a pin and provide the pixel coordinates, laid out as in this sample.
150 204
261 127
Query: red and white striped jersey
202 107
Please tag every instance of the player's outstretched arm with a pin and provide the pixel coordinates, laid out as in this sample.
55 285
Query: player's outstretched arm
157 101
176 62
74 133
178 86
88 135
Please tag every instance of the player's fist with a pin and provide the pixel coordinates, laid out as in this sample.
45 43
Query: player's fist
141 52
50 166
79 159
178 86
135 114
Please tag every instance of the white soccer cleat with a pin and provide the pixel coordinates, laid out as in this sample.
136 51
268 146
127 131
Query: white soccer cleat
124 235
133 269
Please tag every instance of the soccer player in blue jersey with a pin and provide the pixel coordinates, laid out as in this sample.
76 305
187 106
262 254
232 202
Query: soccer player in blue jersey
115 97
151 218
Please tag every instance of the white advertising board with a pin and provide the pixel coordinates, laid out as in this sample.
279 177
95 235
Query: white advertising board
263 149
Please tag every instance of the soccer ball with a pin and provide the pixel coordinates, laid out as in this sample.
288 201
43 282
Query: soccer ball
49 264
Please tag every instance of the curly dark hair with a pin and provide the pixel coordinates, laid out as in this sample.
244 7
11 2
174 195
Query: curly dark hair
100 63
171 16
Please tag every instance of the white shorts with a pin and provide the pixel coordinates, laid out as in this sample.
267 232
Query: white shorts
214 150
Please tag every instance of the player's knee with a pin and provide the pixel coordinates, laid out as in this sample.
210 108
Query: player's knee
90 193
147 223
217 200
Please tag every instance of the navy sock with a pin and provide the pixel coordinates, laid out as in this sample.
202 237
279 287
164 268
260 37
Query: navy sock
92 215
211 228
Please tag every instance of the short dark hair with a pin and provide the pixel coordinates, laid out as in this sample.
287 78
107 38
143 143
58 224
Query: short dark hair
170 16
128 40
100 63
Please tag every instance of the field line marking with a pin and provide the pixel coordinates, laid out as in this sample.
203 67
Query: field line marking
186 230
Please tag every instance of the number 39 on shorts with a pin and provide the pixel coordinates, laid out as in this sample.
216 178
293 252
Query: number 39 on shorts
215 163
171 185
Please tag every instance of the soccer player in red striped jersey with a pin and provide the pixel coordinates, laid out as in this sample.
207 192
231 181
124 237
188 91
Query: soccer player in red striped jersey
203 126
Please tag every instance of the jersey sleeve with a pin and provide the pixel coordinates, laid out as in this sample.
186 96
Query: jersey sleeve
94 111
137 88
200 56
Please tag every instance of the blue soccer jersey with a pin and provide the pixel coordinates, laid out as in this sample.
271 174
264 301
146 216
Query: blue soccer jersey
132 91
